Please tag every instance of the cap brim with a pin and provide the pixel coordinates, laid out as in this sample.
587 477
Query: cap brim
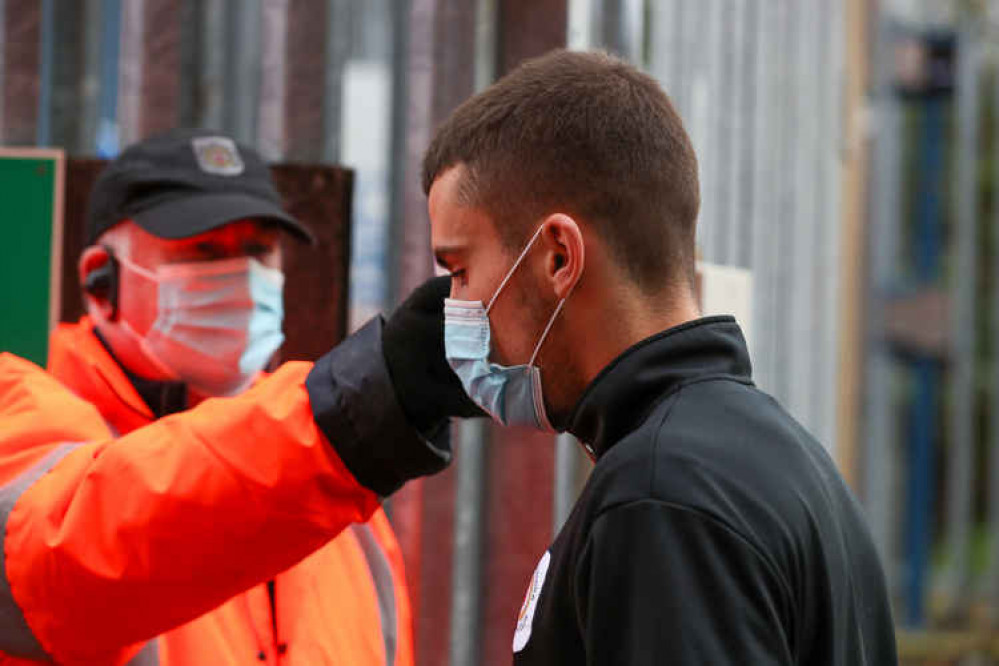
196 214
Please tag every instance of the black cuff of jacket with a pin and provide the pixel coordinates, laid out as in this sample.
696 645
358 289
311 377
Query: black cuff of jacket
354 404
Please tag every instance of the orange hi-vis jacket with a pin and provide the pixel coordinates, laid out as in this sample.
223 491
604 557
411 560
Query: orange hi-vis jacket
131 540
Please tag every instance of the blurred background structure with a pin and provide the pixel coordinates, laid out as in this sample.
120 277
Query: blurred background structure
848 153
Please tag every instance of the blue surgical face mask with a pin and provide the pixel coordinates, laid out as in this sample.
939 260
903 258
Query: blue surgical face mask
510 394
218 322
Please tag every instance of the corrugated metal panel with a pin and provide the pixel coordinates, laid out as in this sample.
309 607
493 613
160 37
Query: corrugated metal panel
757 84
962 424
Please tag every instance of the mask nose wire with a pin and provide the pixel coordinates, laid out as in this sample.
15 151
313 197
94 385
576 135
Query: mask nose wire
136 268
513 269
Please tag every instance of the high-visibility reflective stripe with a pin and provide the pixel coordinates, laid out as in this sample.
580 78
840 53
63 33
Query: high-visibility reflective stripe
381 574
16 638
147 656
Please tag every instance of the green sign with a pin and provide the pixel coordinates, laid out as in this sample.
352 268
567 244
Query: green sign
31 190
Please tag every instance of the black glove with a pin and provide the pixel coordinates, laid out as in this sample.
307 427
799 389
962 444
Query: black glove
413 347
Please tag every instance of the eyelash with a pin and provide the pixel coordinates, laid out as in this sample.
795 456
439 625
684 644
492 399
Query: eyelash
457 274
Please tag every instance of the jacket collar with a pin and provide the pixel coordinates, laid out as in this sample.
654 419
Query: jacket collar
629 388
81 362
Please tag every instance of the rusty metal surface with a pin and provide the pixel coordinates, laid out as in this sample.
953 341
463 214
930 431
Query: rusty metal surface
316 277
161 79
149 73
304 75
528 29
21 49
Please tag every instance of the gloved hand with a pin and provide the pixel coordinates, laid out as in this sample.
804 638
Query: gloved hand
413 347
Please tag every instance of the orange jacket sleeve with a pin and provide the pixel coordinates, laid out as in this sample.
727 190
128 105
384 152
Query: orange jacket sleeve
121 539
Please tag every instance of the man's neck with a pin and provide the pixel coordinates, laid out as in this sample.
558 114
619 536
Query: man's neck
624 321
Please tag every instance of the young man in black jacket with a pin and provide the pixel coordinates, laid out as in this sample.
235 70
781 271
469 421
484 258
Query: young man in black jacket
714 529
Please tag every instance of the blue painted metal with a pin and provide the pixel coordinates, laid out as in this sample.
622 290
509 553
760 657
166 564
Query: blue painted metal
931 183
43 130
922 461
106 141
926 371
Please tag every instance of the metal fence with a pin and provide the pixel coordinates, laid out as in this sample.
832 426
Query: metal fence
758 84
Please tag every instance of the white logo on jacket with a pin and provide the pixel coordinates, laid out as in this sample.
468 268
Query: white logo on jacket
526 618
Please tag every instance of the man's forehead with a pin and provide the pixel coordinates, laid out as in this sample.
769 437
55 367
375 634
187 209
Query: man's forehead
448 214
454 221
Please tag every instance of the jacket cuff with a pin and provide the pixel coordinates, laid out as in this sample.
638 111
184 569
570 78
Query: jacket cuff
354 404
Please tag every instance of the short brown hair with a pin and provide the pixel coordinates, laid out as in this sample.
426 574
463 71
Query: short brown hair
589 135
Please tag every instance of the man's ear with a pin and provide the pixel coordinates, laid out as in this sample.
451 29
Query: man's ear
98 272
566 259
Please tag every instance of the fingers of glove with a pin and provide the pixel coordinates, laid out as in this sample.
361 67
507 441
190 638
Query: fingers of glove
429 296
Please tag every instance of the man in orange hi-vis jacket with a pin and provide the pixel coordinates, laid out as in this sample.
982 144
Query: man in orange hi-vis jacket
164 503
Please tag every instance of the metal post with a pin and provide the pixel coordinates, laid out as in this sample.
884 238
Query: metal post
578 29
992 479
880 431
785 96
926 373
241 84
707 98
835 156
800 223
828 227
740 164
47 46
88 109
270 123
400 170
569 463
695 103
485 43
107 105
212 49
66 108
962 426
766 147
3 62
692 83
664 51
726 90
469 556
339 38
131 71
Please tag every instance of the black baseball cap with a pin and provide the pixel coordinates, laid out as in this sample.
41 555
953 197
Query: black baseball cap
185 182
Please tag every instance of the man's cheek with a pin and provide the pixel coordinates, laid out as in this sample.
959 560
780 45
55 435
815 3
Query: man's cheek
138 304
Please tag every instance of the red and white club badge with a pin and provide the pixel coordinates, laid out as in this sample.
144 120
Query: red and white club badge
526 617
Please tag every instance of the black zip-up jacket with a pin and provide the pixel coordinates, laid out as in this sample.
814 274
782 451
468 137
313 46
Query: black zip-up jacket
714 529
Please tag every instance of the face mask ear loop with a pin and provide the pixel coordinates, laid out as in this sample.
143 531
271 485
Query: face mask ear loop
513 268
551 322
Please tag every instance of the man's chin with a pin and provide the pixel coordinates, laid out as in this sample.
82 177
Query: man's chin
558 417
